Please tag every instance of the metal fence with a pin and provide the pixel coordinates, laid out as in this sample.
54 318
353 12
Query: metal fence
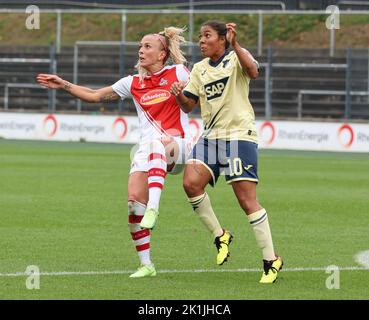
348 98
51 62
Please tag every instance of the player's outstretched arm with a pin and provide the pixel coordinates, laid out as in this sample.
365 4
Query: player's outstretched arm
52 81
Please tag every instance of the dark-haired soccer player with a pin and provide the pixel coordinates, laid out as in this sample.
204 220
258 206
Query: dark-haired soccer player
220 84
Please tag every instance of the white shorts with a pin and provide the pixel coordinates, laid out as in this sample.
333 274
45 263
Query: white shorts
140 154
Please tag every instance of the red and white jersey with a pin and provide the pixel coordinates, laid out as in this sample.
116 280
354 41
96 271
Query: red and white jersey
158 111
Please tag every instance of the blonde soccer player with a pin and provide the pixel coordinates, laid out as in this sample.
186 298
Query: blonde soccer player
165 141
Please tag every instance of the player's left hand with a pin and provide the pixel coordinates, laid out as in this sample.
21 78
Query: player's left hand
231 33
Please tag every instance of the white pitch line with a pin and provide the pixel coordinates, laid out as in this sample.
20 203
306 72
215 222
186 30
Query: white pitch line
106 272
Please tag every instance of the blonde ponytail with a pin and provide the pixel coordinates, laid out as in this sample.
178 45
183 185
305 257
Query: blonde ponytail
173 40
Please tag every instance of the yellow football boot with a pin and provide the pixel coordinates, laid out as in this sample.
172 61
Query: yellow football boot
271 269
222 243
144 271
150 219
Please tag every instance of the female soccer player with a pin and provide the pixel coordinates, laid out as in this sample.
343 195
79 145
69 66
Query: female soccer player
164 128
220 84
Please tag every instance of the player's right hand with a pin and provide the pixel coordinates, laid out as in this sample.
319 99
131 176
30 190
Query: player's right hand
177 87
50 81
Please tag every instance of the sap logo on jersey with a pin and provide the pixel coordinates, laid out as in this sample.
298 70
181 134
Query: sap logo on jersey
215 89
154 96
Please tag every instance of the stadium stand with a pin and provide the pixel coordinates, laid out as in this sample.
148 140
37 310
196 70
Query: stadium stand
99 66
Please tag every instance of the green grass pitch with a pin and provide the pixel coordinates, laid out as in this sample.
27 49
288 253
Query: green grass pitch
63 208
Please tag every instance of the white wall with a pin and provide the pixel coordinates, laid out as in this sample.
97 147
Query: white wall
294 135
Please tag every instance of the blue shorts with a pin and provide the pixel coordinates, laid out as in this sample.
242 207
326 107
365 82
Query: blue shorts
236 159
